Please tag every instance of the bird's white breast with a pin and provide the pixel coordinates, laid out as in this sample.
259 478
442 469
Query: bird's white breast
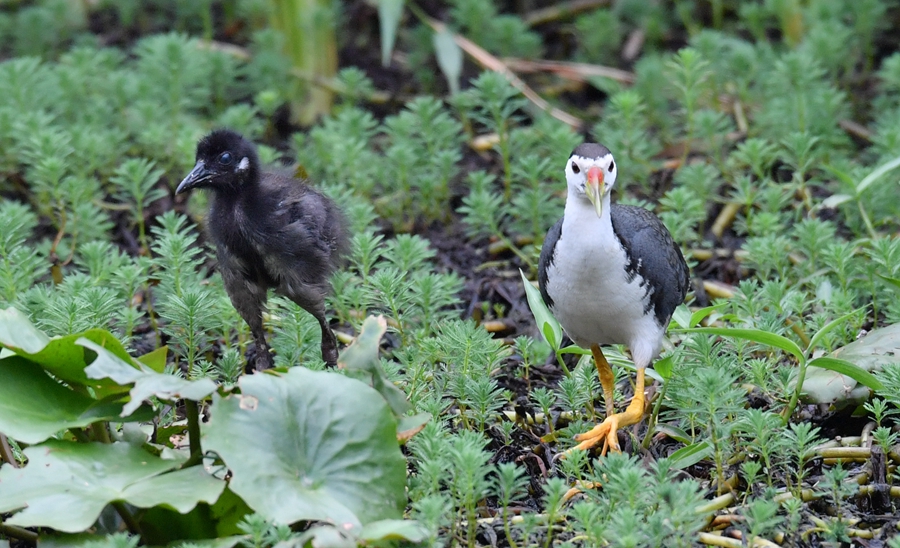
592 297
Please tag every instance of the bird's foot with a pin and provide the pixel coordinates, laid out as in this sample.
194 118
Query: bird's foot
329 347
259 358
607 431
329 355
264 361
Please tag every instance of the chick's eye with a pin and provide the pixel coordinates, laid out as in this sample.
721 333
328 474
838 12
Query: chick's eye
225 158
575 168
612 166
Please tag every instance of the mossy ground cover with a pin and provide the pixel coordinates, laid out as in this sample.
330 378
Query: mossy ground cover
764 134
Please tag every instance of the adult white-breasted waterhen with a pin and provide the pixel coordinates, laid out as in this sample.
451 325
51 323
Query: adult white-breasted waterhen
611 274
271 231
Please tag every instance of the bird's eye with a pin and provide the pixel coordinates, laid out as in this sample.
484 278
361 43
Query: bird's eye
575 168
225 158
612 166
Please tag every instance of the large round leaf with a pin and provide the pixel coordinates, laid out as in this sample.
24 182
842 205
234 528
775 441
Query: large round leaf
147 382
59 355
65 484
310 446
870 353
34 407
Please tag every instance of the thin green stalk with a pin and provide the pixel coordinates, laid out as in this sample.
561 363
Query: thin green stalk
654 415
503 143
311 44
207 22
100 431
130 521
80 435
18 533
192 411
865 217
507 529
801 376
717 456
471 526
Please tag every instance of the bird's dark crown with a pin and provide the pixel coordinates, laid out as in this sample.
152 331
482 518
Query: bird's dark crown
229 160
590 150
222 140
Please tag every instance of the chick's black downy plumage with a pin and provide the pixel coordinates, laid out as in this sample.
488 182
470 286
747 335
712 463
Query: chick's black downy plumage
271 231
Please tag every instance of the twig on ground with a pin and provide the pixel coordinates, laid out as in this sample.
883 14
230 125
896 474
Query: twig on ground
560 11
488 61
572 71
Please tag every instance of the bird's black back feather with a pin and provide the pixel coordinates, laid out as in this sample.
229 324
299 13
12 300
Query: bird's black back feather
548 254
653 256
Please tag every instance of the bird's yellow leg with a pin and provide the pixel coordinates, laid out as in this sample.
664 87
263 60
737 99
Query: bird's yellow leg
607 379
606 431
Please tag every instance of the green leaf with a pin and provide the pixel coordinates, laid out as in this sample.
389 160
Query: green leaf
325 536
840 174
690 455
310 445
893 281
614 359
65 485
574 349
17 332
755 335
870 353
361 360
146 381
547 324
682 316
876 174
409 426
814 341
835 200
61 356
389 13
394 529
34 407
665 366
850 369
674 432
155 359
701 314
449 57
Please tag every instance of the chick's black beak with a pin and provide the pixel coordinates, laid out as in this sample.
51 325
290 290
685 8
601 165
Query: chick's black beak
195 178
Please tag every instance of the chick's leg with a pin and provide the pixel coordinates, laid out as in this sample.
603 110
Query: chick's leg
607 430
313 301
249 299
607 378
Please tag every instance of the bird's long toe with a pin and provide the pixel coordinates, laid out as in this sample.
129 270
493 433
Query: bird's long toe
607 431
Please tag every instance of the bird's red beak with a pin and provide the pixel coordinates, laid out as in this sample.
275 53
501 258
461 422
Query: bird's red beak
596 188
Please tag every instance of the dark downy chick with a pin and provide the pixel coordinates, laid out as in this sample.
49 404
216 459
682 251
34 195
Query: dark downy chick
271 231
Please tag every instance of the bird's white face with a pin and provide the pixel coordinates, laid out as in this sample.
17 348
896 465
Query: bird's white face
591 178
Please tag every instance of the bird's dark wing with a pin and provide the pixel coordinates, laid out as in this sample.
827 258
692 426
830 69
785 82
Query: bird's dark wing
654 256
547 256
304 229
